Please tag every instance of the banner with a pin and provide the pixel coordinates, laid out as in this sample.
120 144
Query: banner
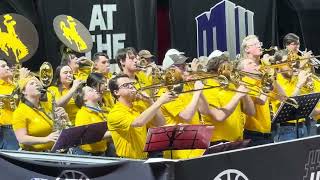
113 24
296 160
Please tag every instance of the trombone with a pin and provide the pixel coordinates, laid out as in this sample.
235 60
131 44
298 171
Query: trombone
265 88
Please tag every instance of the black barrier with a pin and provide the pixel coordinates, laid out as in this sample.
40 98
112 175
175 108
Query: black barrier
292 160
14 168
295 160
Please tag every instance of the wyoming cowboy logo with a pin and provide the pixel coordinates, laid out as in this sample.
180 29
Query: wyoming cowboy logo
11 41
72 33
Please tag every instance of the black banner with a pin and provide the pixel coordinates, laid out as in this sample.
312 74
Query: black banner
113 24
297 160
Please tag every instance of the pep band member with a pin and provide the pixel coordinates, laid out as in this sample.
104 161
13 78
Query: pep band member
185 108
127 123
88 99
32 125
8 139
226 107
127 60
102 65
64 89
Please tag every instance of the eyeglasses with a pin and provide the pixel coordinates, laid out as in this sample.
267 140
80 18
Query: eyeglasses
256 44
127 85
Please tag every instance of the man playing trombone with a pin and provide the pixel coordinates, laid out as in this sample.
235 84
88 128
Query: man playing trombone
227 103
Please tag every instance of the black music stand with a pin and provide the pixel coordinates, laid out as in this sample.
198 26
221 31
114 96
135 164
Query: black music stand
226 146
287 112
178 137
80 135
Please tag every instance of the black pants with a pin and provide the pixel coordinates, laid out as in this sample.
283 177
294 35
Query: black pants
258 138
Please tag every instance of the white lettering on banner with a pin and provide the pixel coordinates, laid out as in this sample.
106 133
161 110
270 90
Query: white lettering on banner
97 17
312 166
102 31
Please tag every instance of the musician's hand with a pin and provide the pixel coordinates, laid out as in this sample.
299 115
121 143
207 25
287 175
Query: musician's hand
198 85
76 84
266 59
141 95
242 90
53 137
167 97
24 72
84 60
61 113
302 78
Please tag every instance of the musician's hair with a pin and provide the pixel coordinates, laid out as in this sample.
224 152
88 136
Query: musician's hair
244 44
290 38
279 55
79 98
98 54
95 79
113 84
214 63
67 54
122 54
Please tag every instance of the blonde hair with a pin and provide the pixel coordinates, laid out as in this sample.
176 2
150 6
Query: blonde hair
245 44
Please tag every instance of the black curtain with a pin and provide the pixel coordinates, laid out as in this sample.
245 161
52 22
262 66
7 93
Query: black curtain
135 19
184 29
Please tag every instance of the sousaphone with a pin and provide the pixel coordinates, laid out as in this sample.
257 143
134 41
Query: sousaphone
18 38
72 33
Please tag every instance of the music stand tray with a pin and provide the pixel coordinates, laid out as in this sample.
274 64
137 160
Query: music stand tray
287 112
80 135
227 146
178 137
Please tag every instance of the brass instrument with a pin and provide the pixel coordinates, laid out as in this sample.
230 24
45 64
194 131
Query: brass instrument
174 82
45 76
270 50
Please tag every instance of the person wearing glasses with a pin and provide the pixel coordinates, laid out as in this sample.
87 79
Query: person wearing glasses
127 122
88 99
251 48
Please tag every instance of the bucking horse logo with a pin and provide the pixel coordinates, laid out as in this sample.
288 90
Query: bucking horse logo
71 33
10 40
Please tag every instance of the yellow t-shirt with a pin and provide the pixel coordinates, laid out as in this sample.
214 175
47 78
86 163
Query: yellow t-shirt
87 116
316 84
82 74
36 123
288 85
129 141
6 112
232 128
171 111
71 107
108 100
261 122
